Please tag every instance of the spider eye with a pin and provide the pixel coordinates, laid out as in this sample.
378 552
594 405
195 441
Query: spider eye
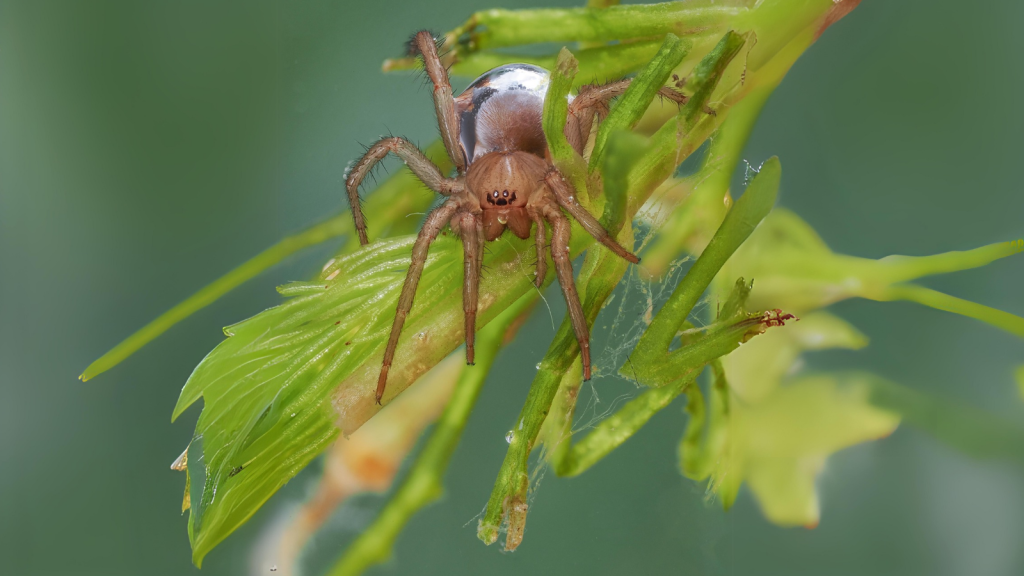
495 193
505 193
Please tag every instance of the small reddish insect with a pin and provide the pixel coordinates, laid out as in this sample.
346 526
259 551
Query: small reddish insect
505 179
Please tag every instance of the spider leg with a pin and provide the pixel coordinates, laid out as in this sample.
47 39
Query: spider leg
472 242
542 261
564 196
435 221
420 165
593 100
563 267
444 104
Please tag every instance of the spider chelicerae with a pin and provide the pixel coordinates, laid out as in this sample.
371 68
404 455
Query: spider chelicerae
505 179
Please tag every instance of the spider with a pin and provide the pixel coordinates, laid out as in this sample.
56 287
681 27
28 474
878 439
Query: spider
505 179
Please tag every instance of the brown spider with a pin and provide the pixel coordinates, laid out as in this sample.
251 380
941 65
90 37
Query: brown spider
505 178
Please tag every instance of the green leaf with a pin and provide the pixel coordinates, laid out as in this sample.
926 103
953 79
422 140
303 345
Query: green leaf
752 207
556 110
637 99
795 270
704 442
706 76
503 28
780 445
625 150
278 388
780 441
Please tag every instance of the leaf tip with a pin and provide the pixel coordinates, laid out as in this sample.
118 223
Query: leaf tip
566 64
179 408
773 165
93 370
1020 380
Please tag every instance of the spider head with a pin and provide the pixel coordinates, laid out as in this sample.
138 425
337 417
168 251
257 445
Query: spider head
503 183
505 180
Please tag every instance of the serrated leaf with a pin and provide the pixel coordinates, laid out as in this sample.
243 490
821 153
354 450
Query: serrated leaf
782 443
279 389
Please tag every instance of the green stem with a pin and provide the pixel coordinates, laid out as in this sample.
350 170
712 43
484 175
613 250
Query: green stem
972 431
387 210
332 228
557 430
705 207
616 429
509 495
750 209
676 140
511 484
624 149
556 111
637 99
903 268
675 374
596 64
502 28
601 272
934 299
425 481
598 4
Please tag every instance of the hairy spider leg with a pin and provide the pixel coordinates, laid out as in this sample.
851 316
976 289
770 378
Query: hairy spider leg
435 221
564 196
541 241
593 100
444 102
472 243
560 230
421 166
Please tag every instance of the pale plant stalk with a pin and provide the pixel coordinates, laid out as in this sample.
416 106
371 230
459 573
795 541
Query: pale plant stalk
424 482
368 460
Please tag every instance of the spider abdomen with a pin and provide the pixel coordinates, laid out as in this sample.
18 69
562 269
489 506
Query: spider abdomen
501 111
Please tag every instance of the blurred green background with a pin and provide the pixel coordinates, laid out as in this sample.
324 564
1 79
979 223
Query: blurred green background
148 147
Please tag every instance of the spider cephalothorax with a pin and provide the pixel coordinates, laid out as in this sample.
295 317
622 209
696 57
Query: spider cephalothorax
494 136
504 184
